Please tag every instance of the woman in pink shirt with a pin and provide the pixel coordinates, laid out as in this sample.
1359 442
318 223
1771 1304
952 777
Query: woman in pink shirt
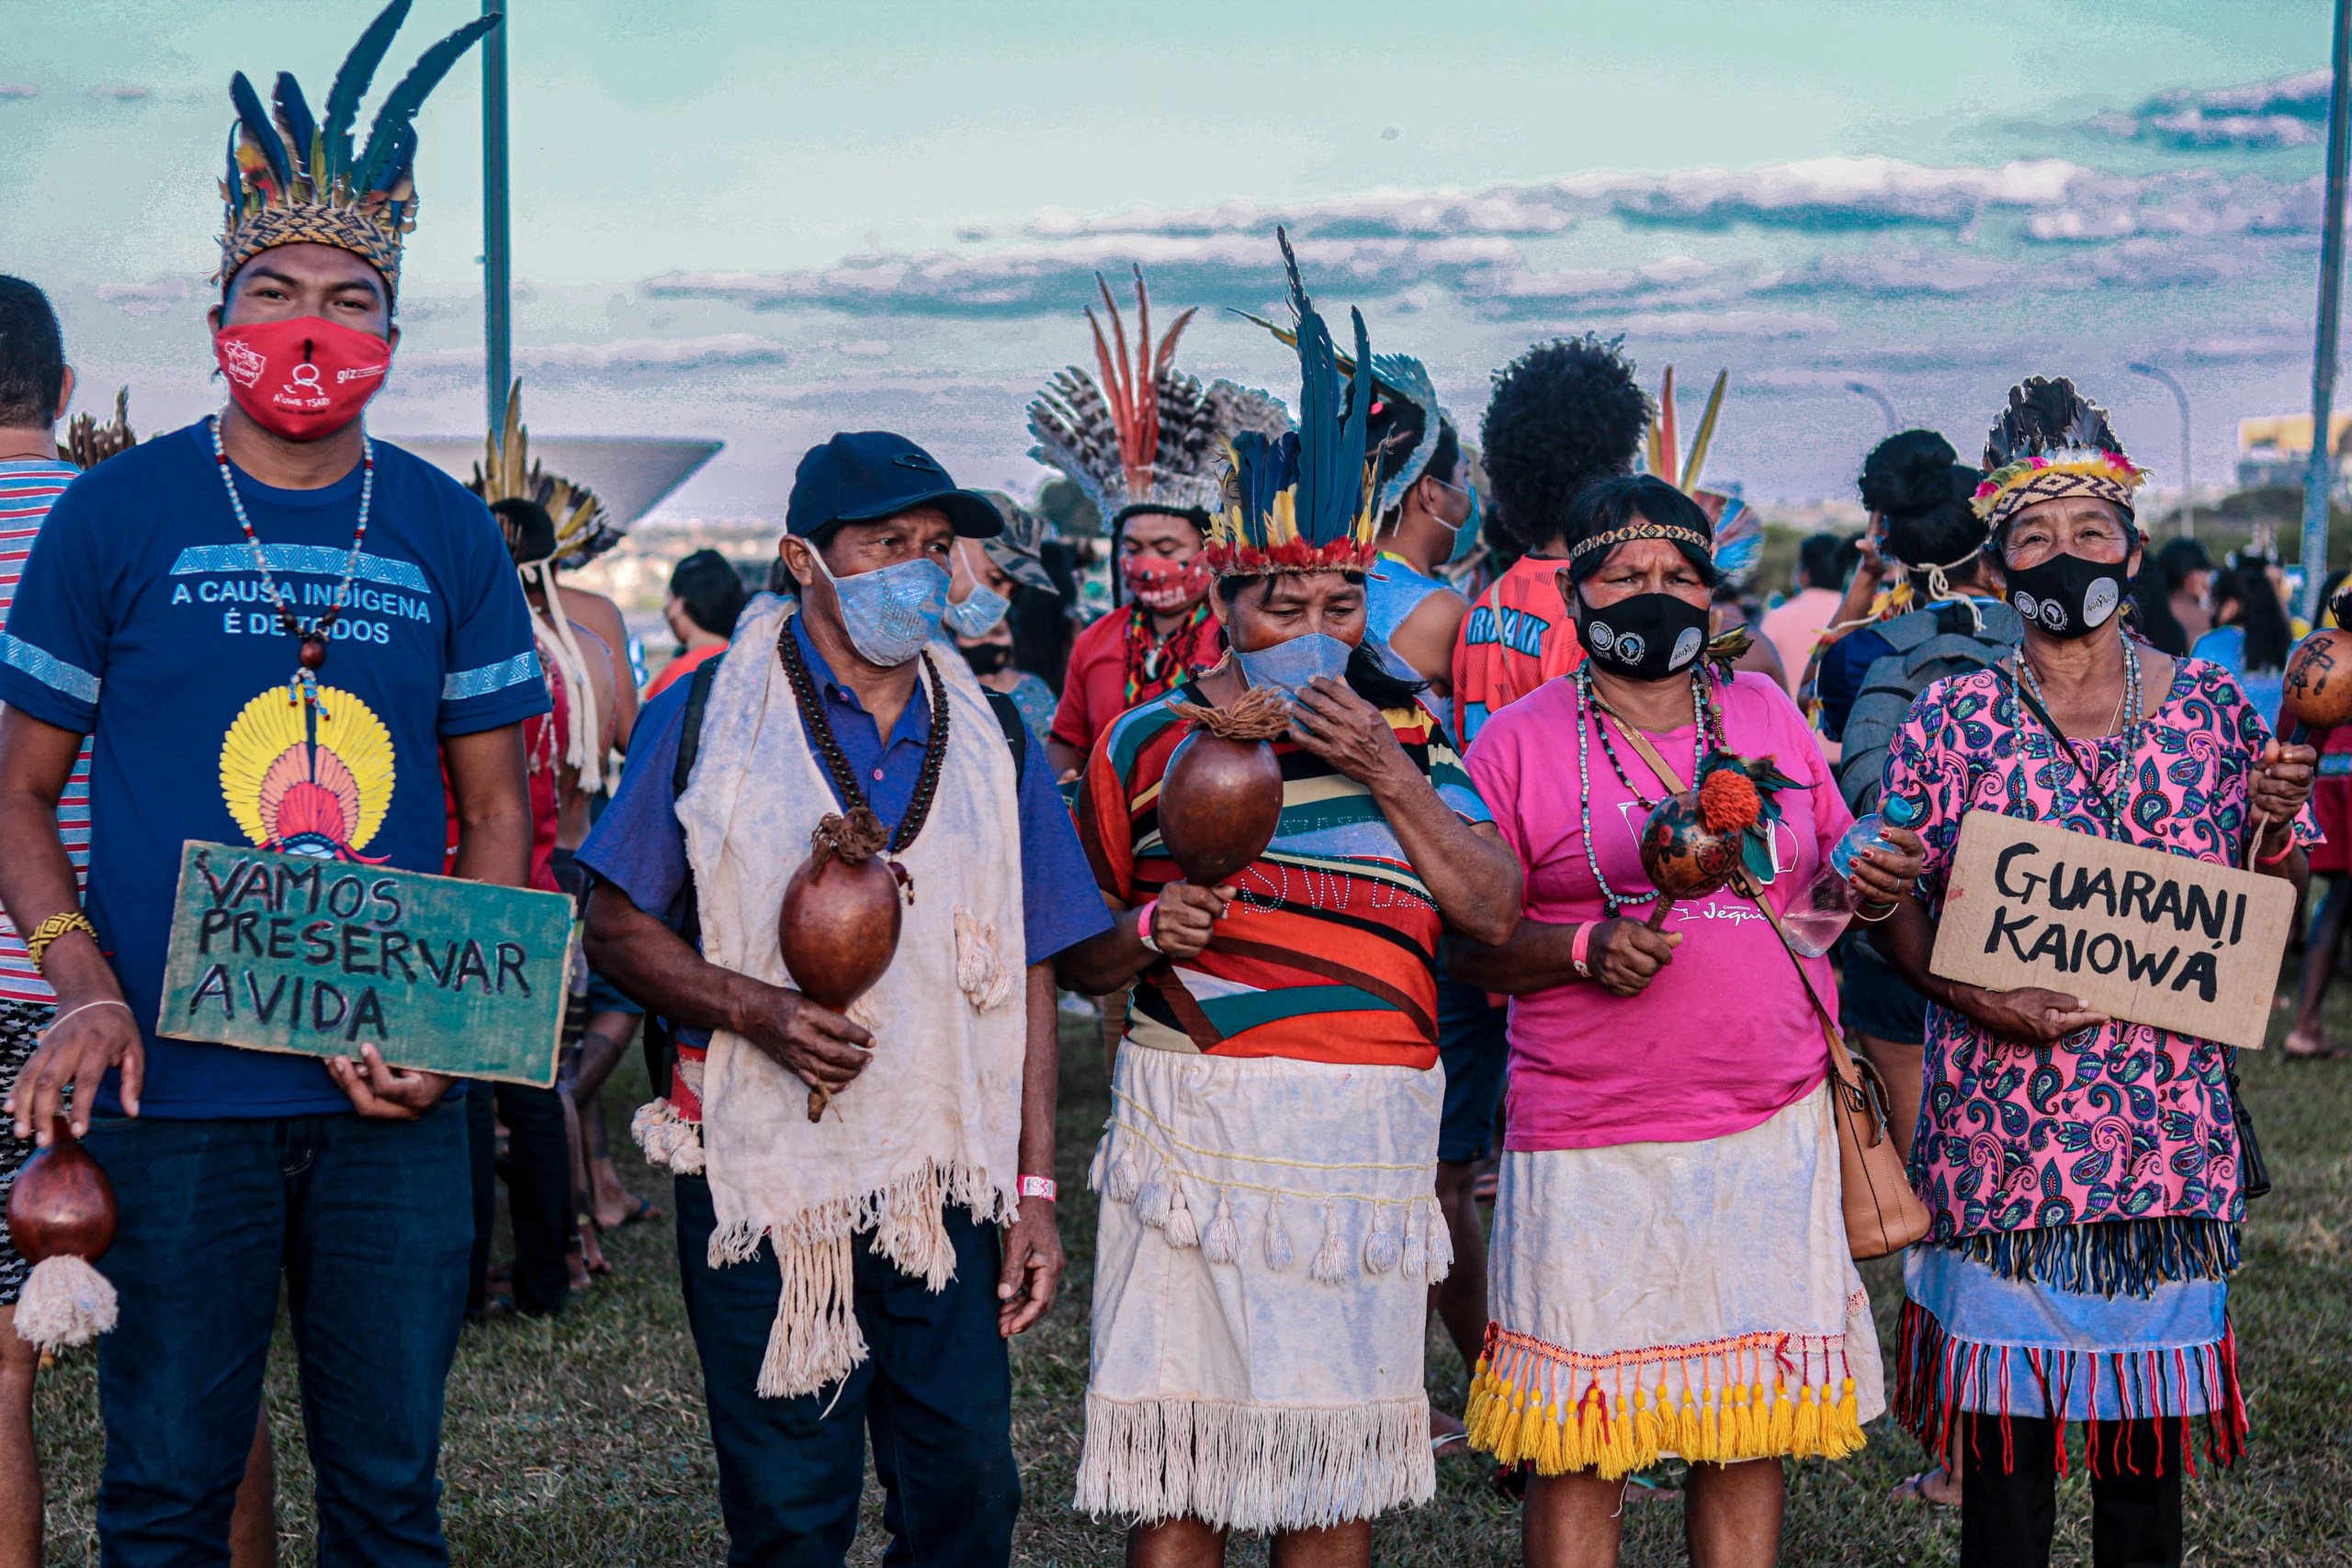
1671 1272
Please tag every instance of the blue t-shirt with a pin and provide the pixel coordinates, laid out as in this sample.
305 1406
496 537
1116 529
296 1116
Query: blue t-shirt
141 621
639 848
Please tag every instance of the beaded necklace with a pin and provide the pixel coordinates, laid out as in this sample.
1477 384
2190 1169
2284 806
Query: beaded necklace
302 686
821 729
2130 714
1154 664
1591 712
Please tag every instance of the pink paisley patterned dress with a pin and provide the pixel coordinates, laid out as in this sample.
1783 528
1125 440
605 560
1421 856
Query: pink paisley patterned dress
2087 1196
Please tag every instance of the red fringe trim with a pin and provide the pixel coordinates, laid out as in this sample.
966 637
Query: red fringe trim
1291 555
1933 1367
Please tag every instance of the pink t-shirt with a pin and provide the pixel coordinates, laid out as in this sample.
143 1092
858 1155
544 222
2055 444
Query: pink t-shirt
1723 1036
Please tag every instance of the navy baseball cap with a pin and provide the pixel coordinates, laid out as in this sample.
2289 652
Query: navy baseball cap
865 476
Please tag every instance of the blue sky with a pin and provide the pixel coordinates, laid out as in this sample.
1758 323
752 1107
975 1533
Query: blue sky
765 222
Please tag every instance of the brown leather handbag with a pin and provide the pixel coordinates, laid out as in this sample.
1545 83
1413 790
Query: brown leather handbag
1883 1215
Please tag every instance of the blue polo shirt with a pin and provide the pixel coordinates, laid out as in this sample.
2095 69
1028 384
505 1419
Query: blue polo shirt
638 846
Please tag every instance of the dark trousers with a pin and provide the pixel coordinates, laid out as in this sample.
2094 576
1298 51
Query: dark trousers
934 1393
538 1192
2006 1517
367 1223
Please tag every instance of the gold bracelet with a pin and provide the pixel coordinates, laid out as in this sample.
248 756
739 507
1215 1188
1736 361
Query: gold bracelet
49 929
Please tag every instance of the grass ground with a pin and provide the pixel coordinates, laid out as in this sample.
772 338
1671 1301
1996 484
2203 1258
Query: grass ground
584 1440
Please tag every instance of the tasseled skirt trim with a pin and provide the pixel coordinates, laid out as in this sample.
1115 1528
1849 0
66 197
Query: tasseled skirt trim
2113 1257
1252 1467
1939 1378
1750 1397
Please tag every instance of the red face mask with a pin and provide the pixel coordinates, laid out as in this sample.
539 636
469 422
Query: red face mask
301 379
1158 584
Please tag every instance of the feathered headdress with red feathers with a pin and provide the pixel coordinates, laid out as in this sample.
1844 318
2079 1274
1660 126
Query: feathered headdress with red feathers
1137 434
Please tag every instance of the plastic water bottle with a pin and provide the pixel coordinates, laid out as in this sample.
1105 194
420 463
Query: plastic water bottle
1821 912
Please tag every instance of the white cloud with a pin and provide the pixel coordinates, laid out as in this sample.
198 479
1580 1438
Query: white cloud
1726 324
18 90
660 357
153 298
120 91
2285 111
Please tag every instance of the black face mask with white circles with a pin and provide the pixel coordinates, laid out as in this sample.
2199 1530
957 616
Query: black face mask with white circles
2065 595
1647 637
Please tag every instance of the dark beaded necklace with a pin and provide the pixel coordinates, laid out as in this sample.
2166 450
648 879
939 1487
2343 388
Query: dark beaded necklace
812 717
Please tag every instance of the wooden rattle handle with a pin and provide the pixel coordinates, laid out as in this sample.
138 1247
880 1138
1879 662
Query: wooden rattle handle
1658 913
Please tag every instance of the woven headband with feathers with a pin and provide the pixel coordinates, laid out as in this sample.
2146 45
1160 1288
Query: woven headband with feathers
1304 500
584 529
1136 433
2052 442
295 179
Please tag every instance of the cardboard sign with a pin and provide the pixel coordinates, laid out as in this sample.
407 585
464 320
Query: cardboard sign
2138 934
321 957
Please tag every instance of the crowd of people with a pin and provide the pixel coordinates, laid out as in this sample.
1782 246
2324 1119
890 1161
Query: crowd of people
1444 978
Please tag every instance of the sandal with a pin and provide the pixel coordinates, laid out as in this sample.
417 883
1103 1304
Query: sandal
1915 1487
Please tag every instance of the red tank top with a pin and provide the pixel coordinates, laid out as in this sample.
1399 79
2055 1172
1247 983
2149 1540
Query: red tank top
1517 635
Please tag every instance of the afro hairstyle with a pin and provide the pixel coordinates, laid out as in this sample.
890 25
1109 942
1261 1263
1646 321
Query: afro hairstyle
1564 413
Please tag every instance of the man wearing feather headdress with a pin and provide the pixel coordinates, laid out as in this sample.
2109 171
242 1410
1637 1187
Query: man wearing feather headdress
1276 1074
1144 442
276 630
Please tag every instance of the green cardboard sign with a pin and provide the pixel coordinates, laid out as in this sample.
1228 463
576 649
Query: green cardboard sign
321 957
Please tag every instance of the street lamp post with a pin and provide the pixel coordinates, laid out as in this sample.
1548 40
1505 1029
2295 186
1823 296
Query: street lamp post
2320 476
2155 372
1885 404
497 256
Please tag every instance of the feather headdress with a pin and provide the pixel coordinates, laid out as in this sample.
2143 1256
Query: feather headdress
1738 532
294 179
2052 442
1306 499
1138 435
584 529
87 443
1397 376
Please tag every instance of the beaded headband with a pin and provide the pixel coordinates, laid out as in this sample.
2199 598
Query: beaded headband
1643 530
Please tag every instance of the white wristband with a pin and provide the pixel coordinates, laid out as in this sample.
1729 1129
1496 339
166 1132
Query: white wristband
1039 1187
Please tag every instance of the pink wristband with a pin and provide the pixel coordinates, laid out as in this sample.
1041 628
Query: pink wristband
1144 912
2288 848
1579 951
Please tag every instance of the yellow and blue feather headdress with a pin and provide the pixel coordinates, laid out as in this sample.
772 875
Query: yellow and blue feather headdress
293 180
1304 500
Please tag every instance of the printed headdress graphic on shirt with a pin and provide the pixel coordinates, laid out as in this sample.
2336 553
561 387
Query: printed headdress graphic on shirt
309 779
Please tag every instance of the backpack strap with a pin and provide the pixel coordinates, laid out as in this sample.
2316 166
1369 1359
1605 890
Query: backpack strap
660 1050
690 735
1016 732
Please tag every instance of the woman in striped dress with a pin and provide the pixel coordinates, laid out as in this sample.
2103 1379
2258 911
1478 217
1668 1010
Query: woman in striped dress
1269 1224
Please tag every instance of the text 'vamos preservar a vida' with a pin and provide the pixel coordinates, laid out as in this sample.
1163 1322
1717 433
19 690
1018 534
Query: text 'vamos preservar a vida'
2139 934
318 957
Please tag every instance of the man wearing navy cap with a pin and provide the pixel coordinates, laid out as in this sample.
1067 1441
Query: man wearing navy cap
866 1202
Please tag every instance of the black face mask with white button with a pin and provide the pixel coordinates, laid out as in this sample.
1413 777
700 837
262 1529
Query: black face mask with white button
2065 595
1647 636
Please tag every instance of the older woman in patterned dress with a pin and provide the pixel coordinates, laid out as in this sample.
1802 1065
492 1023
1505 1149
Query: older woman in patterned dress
2083 1172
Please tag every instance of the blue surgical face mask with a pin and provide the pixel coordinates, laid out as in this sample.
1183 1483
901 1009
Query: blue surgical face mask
1465 533
978 614
892 611
1288 666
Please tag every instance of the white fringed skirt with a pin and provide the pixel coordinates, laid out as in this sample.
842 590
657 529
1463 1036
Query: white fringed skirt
1269 1233
1693 1298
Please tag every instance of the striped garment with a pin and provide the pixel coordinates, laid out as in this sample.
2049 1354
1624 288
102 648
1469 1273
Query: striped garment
1329 953
27 491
